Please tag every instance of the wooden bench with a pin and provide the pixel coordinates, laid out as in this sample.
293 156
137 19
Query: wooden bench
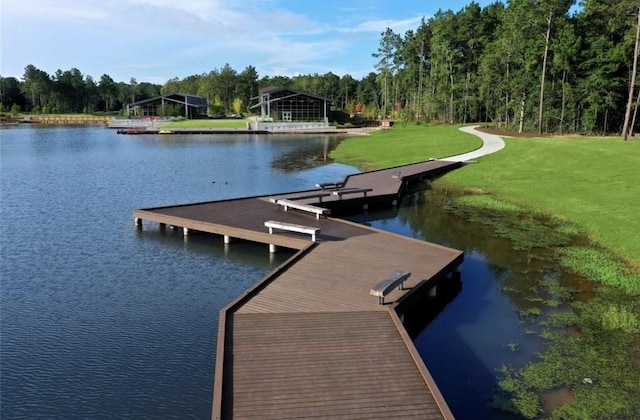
385 287
346 191
291 227
330 185
319 211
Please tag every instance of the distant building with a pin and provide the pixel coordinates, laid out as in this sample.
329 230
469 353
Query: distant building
288 105
193 106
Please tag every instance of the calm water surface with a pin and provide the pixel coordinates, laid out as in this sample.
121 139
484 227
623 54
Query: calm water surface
99 320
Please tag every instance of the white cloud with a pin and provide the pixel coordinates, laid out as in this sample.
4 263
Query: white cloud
156 39
380 25
51 10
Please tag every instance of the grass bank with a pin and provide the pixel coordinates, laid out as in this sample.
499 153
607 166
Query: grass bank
590 181
402 145
541 194
219 123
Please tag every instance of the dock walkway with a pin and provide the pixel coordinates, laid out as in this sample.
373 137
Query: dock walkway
308 340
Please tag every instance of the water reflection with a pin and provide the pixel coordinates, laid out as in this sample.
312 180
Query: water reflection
311 153
419 312
475 327
98 319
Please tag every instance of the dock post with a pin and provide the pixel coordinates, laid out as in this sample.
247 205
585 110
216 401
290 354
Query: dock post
137 221
272 248
185 231
227 239
163 226
433 291
365 206
456 273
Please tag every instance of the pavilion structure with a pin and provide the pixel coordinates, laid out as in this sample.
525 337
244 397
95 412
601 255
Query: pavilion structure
193 106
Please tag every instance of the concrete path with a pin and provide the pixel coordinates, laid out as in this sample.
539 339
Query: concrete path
490 144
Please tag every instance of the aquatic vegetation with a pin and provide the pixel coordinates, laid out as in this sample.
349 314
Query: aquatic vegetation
598 366
590 366
487 202
511 221
600 265
617 317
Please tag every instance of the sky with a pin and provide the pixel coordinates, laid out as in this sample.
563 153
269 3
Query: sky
157 40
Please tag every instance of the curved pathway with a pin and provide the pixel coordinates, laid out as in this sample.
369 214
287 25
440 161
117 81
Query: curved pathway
490 144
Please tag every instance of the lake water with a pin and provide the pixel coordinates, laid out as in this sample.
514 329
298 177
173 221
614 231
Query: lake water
100 320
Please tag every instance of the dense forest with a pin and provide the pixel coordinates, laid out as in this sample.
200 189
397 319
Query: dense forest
527 65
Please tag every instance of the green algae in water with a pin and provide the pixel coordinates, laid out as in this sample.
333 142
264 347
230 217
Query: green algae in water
513 222
599 365
593 353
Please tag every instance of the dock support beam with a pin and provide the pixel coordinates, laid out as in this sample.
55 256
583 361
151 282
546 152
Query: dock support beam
433 291
137 221
185 231
227 239
273 248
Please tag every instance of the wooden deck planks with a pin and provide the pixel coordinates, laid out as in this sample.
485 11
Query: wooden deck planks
325 367
244 219
309 341
382 180
337 276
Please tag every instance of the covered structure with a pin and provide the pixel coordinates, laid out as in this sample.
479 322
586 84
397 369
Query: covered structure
193 106
288 105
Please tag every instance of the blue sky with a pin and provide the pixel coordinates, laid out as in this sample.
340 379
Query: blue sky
156 40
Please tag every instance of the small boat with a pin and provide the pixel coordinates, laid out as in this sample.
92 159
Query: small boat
165 132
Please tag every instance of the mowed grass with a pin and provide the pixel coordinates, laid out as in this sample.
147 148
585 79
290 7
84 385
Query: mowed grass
217 123
402 145
594 182
591 181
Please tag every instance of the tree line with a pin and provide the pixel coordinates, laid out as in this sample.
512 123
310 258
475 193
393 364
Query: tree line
526 65
534 65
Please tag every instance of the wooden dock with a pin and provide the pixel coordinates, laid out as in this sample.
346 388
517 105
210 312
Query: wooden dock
308 340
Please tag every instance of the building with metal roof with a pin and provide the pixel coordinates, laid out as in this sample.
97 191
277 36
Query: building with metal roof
193 106
288 105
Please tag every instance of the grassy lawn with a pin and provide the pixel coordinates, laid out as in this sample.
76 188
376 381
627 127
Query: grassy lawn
230 123
403 145
590 181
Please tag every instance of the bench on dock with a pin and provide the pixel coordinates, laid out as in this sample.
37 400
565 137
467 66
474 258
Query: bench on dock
291 227
319 211
346 191
385 287
330 185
